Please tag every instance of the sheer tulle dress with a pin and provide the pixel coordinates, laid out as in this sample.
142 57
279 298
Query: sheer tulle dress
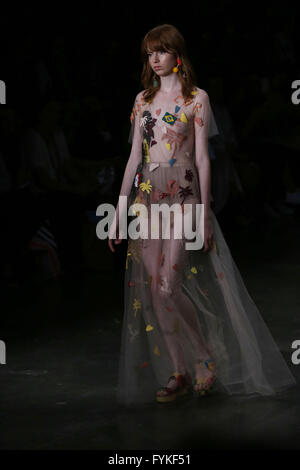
184 305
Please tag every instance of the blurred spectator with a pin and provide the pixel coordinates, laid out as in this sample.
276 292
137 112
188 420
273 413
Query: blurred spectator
21 215
224 176
69 186
265 133
63 185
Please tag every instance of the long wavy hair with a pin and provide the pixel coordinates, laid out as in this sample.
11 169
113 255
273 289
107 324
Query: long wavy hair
167 38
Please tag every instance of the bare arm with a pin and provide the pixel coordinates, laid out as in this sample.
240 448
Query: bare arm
135 156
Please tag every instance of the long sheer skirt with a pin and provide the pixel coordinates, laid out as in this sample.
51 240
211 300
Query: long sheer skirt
182 306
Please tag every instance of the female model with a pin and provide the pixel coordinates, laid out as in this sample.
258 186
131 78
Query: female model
189 321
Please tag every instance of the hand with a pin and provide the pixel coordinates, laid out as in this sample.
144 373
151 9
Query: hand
117 240
111 242
208 235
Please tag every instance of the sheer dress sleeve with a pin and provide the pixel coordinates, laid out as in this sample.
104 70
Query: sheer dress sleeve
202 126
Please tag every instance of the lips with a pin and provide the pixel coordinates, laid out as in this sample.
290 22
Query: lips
157 68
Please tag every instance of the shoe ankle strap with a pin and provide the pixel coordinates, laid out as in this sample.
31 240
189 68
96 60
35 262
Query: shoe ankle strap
178 377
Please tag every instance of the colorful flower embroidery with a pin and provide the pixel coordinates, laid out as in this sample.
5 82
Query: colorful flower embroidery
157 195
194 270
156 351
179 97
185 192
149 328
135 248
183 118
140 199
189 175
175 138
135 110
210 365
143 121
133 332
128 254
199 121
137 304
138 179
148 122
146 186
164 285
197 107
153 166
188 101
146 148
172 187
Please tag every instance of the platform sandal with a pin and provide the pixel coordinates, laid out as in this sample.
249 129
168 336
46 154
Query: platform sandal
183 387
208 382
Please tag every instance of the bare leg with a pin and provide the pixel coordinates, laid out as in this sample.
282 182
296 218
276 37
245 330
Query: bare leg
164 261
152 255
171 273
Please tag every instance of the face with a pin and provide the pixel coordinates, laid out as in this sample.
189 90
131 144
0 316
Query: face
162 62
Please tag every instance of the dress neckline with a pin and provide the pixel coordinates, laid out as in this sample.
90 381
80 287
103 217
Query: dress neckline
176 90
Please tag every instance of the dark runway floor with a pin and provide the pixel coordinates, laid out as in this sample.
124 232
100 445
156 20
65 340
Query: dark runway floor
58 386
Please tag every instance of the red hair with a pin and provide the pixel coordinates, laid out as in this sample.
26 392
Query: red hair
166 38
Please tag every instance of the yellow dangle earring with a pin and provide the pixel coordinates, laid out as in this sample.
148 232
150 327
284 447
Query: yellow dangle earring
179 63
